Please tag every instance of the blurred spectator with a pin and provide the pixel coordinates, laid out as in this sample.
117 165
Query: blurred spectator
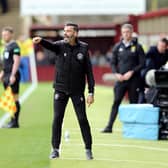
109 55
26 47
41 58
94 58
4 5
98 58
102 60
156 57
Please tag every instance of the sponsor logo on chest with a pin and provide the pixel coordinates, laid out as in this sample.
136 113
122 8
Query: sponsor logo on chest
80 56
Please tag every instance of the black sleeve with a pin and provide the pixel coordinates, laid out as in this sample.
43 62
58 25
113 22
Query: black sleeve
149 63
114 59
16 49
53 46
141 58
89 73
150 54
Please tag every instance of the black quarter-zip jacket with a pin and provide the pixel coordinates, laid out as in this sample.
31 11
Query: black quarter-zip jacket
127 58
72 66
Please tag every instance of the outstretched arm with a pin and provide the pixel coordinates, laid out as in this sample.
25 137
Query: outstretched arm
46 44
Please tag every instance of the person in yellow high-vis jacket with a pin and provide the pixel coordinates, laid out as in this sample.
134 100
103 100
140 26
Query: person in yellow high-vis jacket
26 47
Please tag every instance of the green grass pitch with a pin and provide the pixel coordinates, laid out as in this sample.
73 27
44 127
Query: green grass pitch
29 146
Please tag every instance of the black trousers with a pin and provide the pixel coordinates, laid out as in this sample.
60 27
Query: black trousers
60 102
15 86
132 86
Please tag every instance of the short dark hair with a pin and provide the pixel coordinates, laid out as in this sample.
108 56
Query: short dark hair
164 40
9 29
75 26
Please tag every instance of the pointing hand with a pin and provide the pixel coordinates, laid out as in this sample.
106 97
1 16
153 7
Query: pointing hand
37 40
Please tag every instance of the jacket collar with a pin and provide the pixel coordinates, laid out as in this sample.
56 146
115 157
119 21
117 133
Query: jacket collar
77 43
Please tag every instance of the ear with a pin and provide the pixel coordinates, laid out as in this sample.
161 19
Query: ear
76 34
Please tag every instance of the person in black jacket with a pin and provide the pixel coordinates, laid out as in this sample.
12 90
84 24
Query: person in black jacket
156 58
10 75
127 61
73 66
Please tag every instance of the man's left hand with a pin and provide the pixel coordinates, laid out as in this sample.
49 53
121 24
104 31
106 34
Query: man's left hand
90 100
128 75
12 79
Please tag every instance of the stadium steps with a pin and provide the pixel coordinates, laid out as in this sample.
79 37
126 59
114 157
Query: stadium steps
12 17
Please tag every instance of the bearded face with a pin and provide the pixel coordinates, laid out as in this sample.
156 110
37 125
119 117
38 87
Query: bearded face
69 34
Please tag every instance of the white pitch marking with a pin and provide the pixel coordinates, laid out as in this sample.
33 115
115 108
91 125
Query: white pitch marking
117 160
127 146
